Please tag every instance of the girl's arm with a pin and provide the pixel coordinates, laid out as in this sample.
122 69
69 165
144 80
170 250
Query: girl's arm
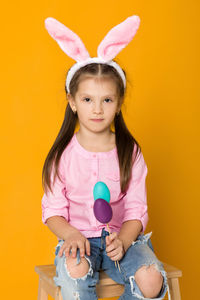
129 232
73 238
60 227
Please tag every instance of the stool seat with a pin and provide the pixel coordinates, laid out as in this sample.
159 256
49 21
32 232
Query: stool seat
106 286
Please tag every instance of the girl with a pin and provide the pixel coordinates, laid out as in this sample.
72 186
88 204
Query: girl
95 90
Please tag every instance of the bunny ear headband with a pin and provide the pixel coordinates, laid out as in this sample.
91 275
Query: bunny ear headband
115 40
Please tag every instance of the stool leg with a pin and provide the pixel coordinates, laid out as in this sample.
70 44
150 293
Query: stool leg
174 289
42 293
58 295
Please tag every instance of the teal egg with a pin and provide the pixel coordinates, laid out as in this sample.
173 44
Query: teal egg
101 191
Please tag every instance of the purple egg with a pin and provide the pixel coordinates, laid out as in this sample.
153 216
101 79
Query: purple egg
102 210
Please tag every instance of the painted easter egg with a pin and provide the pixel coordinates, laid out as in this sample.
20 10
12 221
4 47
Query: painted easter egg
101 191
102 211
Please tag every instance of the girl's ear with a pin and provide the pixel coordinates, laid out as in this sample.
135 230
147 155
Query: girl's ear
68 41
71 102
118 37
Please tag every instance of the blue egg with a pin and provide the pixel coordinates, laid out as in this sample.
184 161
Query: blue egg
101 191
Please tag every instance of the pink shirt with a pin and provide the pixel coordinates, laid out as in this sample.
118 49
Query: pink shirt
73 199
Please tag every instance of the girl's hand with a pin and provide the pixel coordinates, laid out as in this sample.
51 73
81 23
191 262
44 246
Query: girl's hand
73 241
114 249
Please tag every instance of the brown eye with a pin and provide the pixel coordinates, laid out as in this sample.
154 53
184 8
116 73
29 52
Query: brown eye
109 100
86 99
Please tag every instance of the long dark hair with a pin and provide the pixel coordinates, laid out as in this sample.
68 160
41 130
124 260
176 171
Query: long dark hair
125 142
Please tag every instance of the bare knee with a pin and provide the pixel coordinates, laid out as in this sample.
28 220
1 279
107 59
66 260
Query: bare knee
77 271
149 280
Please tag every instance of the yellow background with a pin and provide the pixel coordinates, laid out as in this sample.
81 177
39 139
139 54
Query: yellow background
161 110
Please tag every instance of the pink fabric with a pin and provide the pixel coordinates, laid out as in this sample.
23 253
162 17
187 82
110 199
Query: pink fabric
114 41
73 198
118 38
68 40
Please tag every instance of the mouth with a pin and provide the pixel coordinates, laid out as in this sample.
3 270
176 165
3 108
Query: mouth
97 120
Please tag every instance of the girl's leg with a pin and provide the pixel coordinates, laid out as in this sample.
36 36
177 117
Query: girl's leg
77 277
142 273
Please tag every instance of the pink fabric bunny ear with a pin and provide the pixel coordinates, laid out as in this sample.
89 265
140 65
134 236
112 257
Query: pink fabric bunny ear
117 38
68 41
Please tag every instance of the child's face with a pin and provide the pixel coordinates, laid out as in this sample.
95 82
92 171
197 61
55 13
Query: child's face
96 98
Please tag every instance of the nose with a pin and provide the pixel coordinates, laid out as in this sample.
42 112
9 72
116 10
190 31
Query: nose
97 108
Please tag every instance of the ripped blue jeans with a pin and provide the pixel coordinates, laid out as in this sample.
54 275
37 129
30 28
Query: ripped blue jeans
140 253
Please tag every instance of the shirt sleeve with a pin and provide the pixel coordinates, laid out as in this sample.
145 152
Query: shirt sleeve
56 203
135 199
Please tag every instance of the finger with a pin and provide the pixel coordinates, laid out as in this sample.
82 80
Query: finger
113 253
107 240
62 248
116 257
74 250
110 238
82 249
67 251
110 248
113 245
113 235
87 245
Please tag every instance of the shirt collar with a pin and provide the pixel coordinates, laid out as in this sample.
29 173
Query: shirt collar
90 154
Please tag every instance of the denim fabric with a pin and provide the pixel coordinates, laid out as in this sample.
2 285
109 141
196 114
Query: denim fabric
140 253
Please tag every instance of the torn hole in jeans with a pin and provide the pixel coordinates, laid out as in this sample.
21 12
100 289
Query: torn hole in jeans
164 289
90 271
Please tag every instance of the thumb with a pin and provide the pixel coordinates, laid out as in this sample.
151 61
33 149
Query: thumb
112 236
108 241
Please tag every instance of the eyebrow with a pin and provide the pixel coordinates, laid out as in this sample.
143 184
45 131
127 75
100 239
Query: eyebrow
107 95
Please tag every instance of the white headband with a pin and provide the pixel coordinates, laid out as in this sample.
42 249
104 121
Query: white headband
90 60
115 40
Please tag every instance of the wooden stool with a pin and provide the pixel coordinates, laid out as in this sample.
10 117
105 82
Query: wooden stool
106 286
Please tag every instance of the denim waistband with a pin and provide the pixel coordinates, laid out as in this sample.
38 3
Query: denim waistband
104 233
